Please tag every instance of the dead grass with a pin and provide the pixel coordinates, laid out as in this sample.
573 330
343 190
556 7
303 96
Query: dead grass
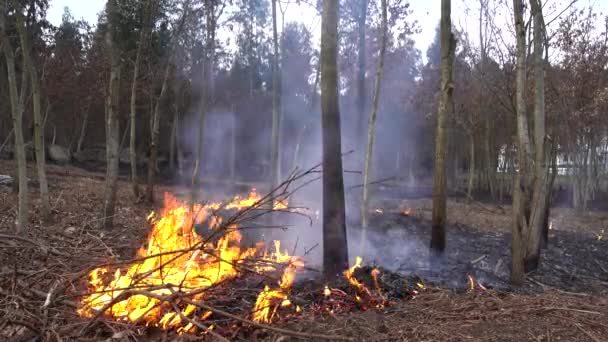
70 244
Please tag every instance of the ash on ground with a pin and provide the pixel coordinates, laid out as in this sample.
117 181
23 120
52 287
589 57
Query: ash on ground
574 262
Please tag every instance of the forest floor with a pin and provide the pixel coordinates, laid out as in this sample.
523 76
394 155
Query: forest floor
43 271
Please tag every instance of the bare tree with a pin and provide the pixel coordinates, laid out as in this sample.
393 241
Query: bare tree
372 123
30 69
521 189
542 180
112 124
335 250
155 120
143 36
207 89
275 154
17 105
448 45
361 96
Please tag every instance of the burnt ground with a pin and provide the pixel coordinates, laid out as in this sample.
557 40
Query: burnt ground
566 299
575 261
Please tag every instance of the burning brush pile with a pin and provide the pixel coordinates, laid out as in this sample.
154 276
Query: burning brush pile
194 275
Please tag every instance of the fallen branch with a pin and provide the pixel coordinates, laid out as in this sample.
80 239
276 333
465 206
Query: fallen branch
32 242
268 327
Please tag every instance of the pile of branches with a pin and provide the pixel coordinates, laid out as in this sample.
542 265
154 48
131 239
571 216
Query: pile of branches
43 278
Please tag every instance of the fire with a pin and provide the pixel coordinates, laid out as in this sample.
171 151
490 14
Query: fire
176 260
350 276
281 205
269 300
474 284
407 212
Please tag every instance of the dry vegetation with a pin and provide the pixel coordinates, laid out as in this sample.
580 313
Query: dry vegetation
44 270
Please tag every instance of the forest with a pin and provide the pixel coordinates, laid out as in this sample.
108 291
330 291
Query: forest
300 170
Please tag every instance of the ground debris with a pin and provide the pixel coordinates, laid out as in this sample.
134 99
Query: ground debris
42 277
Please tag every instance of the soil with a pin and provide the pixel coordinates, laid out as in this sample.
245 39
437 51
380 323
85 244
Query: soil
565 300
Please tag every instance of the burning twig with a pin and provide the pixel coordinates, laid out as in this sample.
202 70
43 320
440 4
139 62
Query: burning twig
181 263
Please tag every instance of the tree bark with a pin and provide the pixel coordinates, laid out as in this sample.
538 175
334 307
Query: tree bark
275 155
448 46
112 124
372 124
335 249
521 188
31 70
542 179
17 116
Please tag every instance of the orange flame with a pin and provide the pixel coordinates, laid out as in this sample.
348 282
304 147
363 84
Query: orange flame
350 276
177 260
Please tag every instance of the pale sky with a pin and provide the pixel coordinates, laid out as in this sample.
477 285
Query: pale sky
426 12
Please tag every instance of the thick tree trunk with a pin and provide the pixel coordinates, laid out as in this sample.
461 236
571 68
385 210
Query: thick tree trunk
521 188
112 124
372 124
275 154
448 46
335 248
539 205
31 70
17 116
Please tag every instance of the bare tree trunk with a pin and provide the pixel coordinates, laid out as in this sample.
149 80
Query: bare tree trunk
207 93
335 248
471 180
173 137
17 115
361 99
30 67
133 114
539 205
133 120
275 158
448 45
483 113
372 124
233 145
521 188
83 130
112 124
154 135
